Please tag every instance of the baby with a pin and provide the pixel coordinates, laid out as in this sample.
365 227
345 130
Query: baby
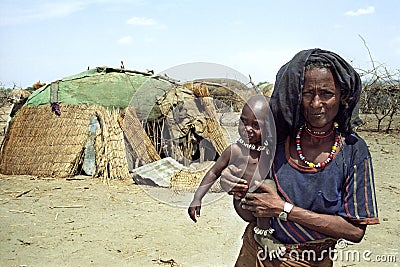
245 155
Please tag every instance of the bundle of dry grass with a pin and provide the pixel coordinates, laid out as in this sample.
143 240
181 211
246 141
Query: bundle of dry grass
188 180
140 145
44 144
110 148
214 130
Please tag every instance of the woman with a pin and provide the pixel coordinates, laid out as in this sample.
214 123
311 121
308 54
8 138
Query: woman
322 169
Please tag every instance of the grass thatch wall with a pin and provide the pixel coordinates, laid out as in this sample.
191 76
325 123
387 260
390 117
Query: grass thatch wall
44 144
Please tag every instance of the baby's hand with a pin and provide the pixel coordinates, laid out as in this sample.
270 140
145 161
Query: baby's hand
194 210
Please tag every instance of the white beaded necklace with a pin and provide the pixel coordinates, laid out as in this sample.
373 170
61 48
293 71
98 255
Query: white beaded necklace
253 146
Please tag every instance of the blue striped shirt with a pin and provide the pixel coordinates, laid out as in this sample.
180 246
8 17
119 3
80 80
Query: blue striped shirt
345 187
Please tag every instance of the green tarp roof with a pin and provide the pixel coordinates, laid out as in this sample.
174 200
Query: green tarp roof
108 87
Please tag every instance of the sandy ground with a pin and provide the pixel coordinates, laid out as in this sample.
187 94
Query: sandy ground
84 222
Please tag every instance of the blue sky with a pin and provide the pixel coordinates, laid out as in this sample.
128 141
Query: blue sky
49 39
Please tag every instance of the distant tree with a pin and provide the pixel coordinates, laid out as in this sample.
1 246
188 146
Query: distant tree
381 93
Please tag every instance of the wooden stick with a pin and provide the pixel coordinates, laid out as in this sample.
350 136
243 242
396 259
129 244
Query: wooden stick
75 179
67 207
24 242
23 193
44 179
20 211
162 132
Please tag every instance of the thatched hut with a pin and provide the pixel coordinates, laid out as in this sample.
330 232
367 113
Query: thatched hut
105 122
231 93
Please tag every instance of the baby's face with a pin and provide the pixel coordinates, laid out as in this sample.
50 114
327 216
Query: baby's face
250 125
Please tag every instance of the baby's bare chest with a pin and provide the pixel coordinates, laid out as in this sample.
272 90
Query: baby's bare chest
248 165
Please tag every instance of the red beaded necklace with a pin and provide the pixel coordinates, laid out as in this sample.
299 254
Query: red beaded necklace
331 154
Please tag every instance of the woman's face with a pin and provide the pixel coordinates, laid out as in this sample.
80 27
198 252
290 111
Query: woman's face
320 98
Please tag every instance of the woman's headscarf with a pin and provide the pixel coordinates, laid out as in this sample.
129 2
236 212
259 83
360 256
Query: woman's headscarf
286 98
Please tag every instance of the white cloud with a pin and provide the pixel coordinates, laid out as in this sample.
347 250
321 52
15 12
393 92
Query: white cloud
361 11
141 21
126 40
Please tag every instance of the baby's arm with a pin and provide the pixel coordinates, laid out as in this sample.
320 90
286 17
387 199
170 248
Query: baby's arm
246 215
209 179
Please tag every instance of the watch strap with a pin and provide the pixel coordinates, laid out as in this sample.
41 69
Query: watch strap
287 207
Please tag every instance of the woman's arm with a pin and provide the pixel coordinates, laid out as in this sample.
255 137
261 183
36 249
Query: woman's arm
269 204
331 225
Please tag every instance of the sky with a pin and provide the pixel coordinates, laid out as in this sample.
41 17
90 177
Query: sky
46 40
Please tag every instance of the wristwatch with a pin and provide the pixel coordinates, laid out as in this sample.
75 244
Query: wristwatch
287 208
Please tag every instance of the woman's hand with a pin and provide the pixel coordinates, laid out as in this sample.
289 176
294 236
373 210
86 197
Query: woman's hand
267 203
231 183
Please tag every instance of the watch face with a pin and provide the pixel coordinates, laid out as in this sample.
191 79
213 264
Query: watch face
283 216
